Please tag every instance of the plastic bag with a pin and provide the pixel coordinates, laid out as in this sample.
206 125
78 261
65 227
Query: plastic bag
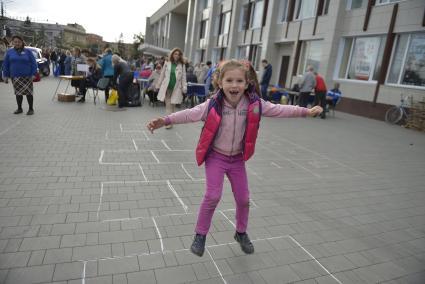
113 97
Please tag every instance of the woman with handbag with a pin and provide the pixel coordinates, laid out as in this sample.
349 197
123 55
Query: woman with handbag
172 82
20 65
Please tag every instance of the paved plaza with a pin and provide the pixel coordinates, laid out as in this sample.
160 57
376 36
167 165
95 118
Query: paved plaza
87 195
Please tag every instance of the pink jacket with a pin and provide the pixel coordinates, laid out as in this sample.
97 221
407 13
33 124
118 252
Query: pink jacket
230 134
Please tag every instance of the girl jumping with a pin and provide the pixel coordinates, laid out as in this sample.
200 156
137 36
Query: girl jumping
232 118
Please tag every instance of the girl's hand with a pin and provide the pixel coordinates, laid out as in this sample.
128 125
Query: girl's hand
155 124
315 111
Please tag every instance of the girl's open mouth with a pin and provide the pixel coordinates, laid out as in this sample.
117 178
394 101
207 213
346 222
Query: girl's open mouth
234 93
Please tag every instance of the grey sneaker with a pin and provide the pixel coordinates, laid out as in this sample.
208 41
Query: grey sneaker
246 245
198 245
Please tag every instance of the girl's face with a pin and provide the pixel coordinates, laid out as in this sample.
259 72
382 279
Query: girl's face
234 85
176 56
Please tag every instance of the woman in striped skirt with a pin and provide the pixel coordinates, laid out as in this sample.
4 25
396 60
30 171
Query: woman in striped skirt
20 65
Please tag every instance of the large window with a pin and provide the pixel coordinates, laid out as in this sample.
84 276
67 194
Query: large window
243 52
203 29
305 9
283 11
251 53
203 4
408 61
361 58
257 14
355 4
310 55
244 19
225 23
252 15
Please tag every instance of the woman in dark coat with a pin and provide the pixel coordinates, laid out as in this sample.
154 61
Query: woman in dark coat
122 80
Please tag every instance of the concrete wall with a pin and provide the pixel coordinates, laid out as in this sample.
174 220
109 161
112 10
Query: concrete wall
177 30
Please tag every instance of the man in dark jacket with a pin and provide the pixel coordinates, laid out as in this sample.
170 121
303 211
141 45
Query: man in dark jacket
265 79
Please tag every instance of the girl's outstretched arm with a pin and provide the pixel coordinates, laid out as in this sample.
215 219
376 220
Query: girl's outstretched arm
194 114
276 110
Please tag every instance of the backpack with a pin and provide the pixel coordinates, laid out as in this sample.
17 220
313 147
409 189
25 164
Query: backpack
134 99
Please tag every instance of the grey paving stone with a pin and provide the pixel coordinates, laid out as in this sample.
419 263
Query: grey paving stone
63 229
73 240
94 280
57 255
115 237
91 252
336 263
36 258
48 219
119 279
17 259
13 245
40 243
33 274
281 274
68 271
175 275
147 277
307 269
380 272
118 265
147 262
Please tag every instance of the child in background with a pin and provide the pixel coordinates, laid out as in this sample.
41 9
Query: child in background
232 117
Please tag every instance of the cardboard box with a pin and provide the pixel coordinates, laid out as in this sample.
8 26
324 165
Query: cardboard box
62 97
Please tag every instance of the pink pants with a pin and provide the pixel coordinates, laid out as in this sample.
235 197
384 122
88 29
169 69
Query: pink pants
216 166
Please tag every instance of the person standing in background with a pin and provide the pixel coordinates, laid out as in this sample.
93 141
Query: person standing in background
67 63
265 78
20 65
307 85
4 44
172 81
122 80
107 69
320 93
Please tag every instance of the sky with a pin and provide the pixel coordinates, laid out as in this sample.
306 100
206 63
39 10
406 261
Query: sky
105 18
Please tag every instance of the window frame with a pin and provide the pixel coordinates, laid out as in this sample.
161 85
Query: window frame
253 14
387 2
222 25
350 58
298 5
349 5
403 63
283 12
303 65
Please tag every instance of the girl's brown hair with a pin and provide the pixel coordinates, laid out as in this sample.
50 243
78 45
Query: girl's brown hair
170 57
252 76
225 66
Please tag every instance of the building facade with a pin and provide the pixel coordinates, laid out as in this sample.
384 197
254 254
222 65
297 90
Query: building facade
43 34
375 49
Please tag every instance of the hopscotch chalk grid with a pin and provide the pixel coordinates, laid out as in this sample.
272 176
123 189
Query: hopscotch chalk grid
183 211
